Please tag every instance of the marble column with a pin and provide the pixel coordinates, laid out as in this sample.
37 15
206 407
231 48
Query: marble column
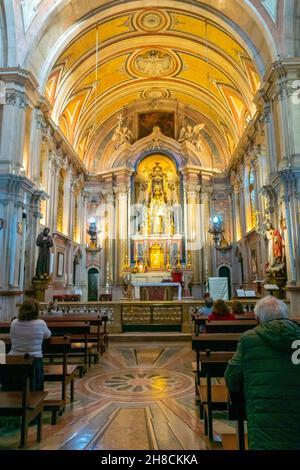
288 181
122 230
55 168
110 222
13 133
38 128
194 239
207 251
82 216
271 142
15 193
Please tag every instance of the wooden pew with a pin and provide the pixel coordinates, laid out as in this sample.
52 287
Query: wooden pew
5 337
5 327
213 397
199 322
26 404
55 346
60 328
237 412
64 373
212 342
96 323
230 326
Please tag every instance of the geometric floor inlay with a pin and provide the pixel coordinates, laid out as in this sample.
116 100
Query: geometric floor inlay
141 385
139 396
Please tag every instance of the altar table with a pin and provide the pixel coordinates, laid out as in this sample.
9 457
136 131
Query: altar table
156 294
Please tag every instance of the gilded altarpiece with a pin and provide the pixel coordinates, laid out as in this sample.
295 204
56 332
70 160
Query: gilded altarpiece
156 229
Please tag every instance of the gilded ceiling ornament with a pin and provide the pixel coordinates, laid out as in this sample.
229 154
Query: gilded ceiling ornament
152 20
155 93
154 63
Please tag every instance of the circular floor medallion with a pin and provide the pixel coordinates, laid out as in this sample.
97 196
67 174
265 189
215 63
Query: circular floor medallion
141 384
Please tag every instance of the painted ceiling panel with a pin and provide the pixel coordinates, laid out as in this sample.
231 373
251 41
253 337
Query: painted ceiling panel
120 62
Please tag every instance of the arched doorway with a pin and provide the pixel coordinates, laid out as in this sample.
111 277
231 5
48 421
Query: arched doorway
224 271
93 284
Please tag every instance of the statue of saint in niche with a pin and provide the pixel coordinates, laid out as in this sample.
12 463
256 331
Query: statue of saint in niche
44 242
275 247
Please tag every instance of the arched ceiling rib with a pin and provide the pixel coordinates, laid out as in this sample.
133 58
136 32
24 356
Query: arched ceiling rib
153 57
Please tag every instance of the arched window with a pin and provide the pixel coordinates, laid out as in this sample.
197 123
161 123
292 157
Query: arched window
252 194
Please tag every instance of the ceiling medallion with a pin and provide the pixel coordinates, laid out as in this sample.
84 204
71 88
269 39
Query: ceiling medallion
151 20
155 94
154 63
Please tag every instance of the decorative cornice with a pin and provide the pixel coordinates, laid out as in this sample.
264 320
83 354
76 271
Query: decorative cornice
278 79
19 76
14 98
15 184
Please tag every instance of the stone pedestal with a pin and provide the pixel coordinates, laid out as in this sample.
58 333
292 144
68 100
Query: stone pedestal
40 286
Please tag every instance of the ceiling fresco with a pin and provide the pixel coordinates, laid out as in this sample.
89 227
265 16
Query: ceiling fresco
148 60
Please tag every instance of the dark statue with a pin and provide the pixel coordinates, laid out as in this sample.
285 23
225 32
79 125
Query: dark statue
44 242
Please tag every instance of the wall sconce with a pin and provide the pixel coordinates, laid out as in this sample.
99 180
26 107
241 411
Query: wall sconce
216 228
92 232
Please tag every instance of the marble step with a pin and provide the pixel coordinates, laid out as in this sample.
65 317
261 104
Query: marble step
149 336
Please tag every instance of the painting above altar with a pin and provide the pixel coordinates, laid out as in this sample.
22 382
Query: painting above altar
156 238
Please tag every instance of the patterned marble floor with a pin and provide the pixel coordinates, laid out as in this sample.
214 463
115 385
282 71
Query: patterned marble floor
140 396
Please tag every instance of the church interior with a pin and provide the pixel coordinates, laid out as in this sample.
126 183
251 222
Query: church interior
149 153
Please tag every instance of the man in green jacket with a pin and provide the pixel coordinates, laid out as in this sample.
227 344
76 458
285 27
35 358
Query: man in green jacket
265 370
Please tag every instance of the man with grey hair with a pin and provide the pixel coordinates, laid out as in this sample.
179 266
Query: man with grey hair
270 308
262 369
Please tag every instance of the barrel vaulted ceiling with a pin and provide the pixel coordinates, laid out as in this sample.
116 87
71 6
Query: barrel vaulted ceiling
153 59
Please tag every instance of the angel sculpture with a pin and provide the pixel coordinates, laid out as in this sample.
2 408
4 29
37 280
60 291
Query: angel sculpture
192 134
122 134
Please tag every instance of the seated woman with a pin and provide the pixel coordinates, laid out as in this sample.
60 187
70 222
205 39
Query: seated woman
208 305
220 312
27 334
237 308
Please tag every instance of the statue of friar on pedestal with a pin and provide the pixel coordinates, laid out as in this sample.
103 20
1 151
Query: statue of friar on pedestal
44 242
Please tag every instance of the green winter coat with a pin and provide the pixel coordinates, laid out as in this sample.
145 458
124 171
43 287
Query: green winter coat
262 367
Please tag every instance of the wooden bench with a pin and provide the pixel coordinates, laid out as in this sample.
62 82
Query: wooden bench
26 404
230 326
5 337
213 397
237 412
64 373
55 346
96 334
59 327
199 322
5 327
213 342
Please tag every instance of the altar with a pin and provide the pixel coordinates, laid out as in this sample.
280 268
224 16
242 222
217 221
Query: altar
157 291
